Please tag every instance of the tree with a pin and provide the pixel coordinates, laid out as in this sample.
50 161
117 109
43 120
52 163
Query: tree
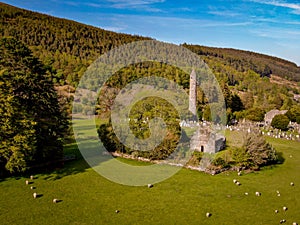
294 114
255 152
255 114
32 121
280 122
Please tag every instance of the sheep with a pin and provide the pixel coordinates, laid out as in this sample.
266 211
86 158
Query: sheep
278 192
238 183
240 173
32 187
257 193
246 193
282 221
117 211
150 185
34 195
26 182
276 211
285 208
278 195
31 177
234 181
55 200
208 214
294 223
292 184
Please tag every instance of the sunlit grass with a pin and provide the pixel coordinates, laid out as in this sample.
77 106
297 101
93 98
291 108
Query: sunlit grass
88 198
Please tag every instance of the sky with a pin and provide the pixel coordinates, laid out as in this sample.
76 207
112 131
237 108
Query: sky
266 26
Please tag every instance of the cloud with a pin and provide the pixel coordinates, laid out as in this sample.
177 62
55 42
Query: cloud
145 5
177 22
114 28
224 13
135 4
294 6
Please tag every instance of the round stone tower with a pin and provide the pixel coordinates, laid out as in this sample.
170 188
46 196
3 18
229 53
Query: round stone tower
193 93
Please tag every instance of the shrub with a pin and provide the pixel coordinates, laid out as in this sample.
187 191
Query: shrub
280 122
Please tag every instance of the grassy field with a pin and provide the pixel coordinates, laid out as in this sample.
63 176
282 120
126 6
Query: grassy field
88 198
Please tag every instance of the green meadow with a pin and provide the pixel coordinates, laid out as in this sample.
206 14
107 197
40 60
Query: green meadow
185 198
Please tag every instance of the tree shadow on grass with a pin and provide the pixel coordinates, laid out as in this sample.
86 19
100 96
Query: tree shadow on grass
69 168
73 163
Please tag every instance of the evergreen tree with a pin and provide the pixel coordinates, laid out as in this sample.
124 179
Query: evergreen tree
32 121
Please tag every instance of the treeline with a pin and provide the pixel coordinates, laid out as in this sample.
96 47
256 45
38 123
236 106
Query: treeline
242 61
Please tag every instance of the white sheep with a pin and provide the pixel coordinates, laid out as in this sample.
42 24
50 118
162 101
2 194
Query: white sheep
257 193
246 193
208 214
34 195
26 182
282 221
292 184
276 211
294 223
55 200
240 173
278 195
150 185
117 211
234 181
32 187
31 177
285 208
238 183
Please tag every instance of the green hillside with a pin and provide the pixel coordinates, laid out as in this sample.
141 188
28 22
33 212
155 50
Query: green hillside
241 61
66 46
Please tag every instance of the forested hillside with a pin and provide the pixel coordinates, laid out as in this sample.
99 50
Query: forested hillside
241 61
66 46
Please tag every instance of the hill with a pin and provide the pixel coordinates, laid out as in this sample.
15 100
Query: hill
244 60
68 47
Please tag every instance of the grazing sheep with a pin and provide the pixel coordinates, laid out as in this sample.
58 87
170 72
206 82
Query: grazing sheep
285 208
278 195
276 211
292 184
32 187
246 193
238 183
26 182
208 214
234 181
31 177
34 195
282 221
117 211
277 192
294 223
257 193
239 173
150 185
55 200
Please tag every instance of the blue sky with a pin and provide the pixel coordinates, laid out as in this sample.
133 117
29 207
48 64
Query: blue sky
266 26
